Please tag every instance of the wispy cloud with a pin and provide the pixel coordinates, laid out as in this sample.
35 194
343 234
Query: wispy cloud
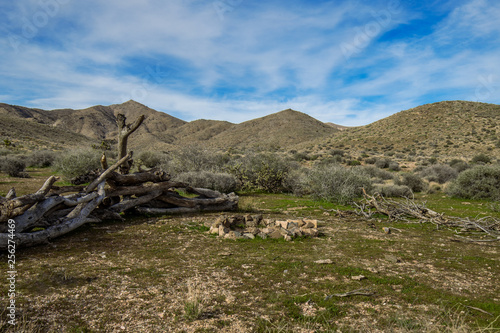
183 58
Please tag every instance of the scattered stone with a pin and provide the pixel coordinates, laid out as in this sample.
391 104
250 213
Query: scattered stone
387 230
358 277
392 258
249 226
275 234
324 261
248 235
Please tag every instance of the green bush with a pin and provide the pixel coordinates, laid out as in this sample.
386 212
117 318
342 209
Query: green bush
194 158
13 166
481 158
264 171
402 191
150 159
77 163
459 165
439 173
375 172
479 182
222 182
382 163
413 181
41 159
335 183
394 166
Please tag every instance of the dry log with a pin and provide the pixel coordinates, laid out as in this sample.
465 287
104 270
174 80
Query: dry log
124 131
154 176
130 203
175 199
227 202
11 194
108 172
17 206
73 221
142 189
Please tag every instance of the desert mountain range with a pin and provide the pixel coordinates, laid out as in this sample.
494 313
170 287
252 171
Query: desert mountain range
450 127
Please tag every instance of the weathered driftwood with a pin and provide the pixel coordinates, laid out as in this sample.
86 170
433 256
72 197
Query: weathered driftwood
47 214
124 131
405 210
55 214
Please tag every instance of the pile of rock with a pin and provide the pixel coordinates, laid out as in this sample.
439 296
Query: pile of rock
251 226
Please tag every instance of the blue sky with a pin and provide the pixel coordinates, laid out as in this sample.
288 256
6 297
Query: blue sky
348 62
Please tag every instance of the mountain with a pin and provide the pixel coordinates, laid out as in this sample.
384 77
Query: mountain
452 128
282 129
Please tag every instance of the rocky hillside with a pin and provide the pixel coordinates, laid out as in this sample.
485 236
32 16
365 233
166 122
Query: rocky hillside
451 128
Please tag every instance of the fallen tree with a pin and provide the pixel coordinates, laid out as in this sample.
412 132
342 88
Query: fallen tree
408 210
53 211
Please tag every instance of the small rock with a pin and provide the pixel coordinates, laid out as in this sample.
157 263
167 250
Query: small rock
392 258
292 225
288 238
262 235
311 223
324 261
275 234
387 230
248 235
309 232
223 230
358 277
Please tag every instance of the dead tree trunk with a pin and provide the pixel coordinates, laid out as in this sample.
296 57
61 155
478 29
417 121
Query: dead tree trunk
124 131
47 214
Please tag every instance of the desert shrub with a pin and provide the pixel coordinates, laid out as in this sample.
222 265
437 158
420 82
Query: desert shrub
263 171
394 191
375 172
434 188
370 160
413 181
382 163
439 173
194 158
394 166
458 164
4 151
77 163
353 162
150 159
41 159
337 152
222 182
479 182
481 158
336 183
14 166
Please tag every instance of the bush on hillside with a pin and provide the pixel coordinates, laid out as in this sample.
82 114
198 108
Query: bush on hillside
382 163
375 172
263 171
387 191
439 173
479 182
194 158
41 159
77 163
335 183
150 159
459 165
481 158
222 182
413 181
13 166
